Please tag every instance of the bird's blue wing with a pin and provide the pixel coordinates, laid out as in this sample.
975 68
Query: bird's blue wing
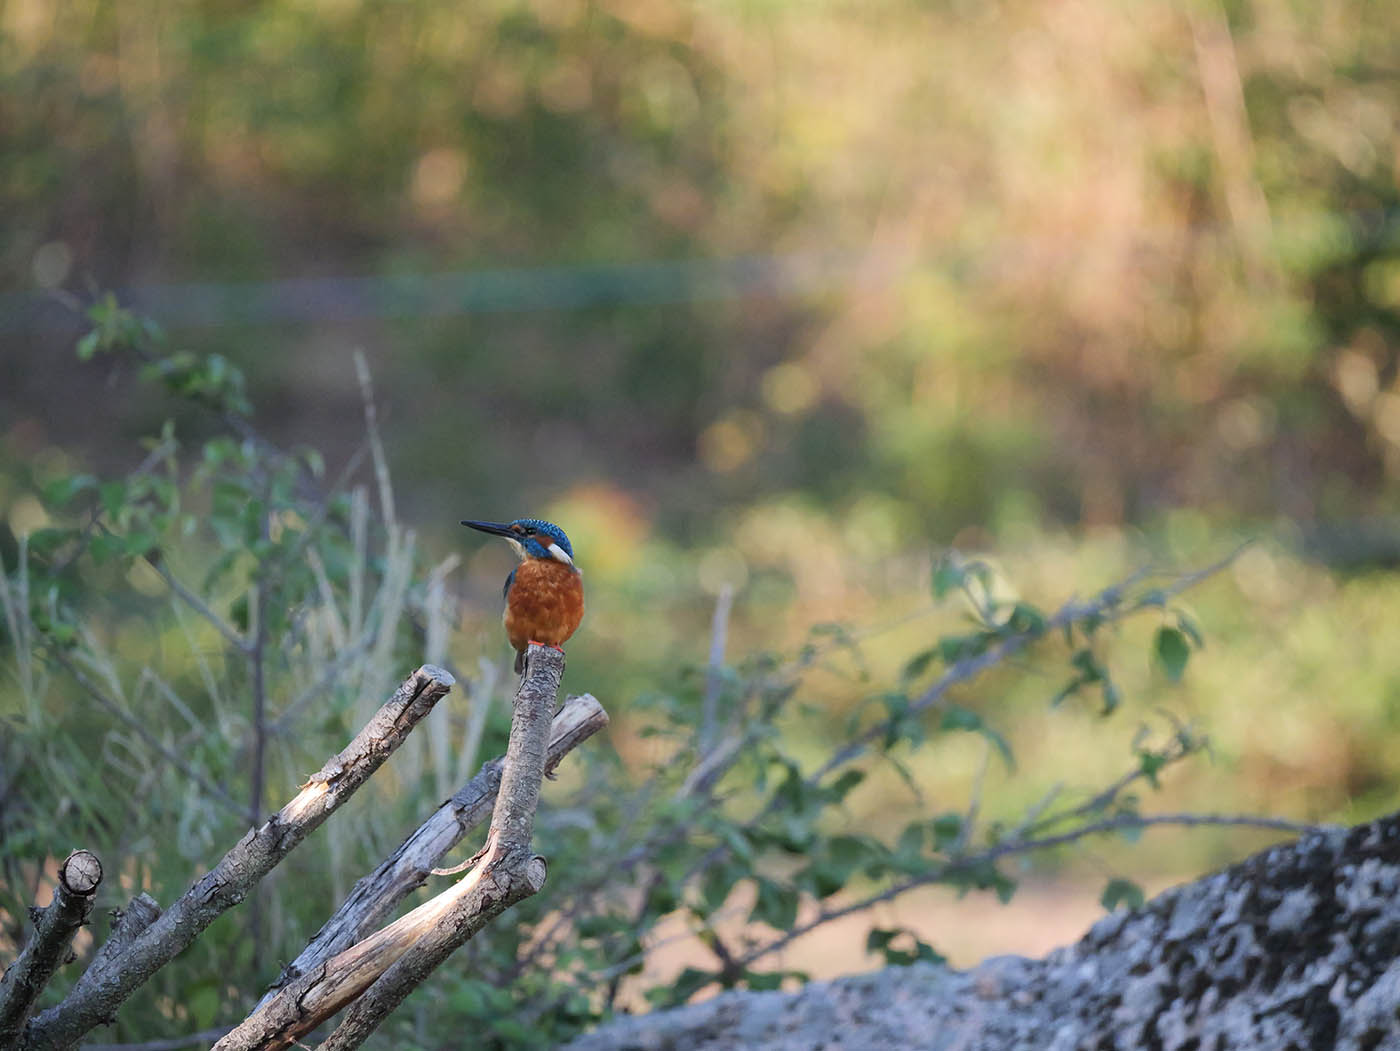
505 591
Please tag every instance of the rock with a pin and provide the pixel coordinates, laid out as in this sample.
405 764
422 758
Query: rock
1294 949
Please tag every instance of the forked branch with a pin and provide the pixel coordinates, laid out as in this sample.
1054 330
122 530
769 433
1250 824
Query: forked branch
101 990
377 973
375 896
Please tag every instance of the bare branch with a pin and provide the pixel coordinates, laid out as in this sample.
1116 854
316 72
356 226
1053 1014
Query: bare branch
382 969
140 912
509 872
408 867
24 980
98 994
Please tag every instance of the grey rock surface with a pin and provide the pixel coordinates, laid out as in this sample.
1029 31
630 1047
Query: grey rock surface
1295 949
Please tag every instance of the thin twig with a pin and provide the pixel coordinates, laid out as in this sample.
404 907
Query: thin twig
974 799
197 604
940 873
1066 616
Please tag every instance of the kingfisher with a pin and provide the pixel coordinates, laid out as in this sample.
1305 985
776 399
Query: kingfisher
544 592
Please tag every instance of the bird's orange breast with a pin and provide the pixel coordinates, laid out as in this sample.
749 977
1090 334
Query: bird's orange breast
544 604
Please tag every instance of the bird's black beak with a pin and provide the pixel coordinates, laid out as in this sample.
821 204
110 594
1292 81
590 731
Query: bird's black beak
494 528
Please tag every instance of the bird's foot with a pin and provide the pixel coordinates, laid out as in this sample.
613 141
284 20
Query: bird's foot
551 645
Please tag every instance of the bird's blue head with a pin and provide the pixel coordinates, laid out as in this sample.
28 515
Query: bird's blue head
531 538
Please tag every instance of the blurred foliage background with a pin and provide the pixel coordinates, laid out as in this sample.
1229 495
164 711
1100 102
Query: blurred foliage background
784 298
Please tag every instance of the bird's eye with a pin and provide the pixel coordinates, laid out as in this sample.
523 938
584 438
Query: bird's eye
529 530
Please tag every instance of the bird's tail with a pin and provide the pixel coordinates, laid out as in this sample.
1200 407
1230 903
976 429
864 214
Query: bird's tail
520 662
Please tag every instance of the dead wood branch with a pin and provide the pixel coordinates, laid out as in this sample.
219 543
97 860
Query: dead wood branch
383 968
54 928
375 896
140 912
99 993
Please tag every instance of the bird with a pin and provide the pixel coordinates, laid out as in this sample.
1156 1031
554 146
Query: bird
544 592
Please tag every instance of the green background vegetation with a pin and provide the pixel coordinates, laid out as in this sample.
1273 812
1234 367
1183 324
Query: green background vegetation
786 298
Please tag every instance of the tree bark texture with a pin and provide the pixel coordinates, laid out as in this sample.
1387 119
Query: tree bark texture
24 980
98 994
1294 949
140 912
376 973
407 868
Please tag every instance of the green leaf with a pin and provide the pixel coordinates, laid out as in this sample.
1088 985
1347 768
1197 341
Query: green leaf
911 841
841 787
113 497
953 648
823 878
776 905
662 898
689 982
879 938
1172 650
1111 697
60 492
105 546
238 612
1122 892
896 721
142 543
715 886
919 663
946 829
765 982
1090 670
850 850
736 840
1150 763
958 718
